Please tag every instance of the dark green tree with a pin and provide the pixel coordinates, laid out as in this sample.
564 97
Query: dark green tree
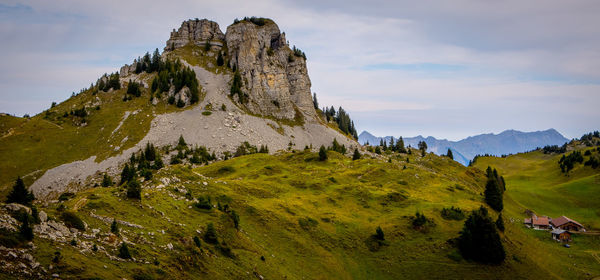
479 239
379 233
106 181
422 147
493 193
124 251
356 155
181 143
236 219
322 153
127 174
20 194
449 154
25 230
134 190
210 235
315 102
114 227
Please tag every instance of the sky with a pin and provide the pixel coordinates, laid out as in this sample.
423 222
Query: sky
448 69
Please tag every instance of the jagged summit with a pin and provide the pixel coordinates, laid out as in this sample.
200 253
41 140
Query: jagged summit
274 76
196 31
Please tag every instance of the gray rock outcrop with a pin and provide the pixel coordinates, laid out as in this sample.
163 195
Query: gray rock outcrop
275 79
196 31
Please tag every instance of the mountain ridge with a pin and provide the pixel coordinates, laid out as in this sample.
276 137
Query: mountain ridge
506 142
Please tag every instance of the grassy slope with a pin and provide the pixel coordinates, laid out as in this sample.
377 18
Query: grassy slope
41 143
348 199
534 181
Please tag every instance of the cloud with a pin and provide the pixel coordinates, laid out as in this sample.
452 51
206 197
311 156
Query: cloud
441 68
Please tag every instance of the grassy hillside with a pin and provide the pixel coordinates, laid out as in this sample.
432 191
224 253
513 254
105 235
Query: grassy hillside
308 219
49 139
535 182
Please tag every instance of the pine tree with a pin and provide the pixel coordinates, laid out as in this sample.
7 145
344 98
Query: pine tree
423 147
20 194
124 251
181 143
210 235
114 227
25 230
493 193
315 102
106 181
322 153
356 155
449 154
128 173
379 233
400 145
134 190
479 239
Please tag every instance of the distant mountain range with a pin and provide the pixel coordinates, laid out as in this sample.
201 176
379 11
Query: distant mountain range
507 142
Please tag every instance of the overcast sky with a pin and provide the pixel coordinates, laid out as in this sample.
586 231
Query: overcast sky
447 69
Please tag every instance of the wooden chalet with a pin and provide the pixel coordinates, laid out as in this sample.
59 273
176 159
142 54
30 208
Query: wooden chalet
536 222
565 223
561 235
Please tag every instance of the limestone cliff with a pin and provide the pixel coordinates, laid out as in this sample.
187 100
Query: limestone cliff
275 80
197 32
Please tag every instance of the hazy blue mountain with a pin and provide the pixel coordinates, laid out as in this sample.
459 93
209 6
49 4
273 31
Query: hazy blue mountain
507 142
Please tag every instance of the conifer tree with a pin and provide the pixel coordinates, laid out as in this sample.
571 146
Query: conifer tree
124 251
114 227
479 239
423 147
449 154
379 233
106 181
356 155
315 102
25 230
322 153
493 193
20 194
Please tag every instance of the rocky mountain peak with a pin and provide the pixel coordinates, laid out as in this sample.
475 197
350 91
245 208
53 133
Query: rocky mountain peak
274 76
196 31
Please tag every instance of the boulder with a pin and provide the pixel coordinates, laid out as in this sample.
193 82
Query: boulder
43 216
15 207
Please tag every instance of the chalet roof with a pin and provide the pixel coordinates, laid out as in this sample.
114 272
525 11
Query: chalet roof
558 231
540 221
563 220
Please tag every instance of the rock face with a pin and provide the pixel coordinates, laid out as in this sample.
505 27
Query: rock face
275 79
197 32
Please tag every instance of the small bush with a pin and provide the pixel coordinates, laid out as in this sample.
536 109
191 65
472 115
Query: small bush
453 213
66 196
307 223
134 190
72 220
210 236
204 203
207 113
379 234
